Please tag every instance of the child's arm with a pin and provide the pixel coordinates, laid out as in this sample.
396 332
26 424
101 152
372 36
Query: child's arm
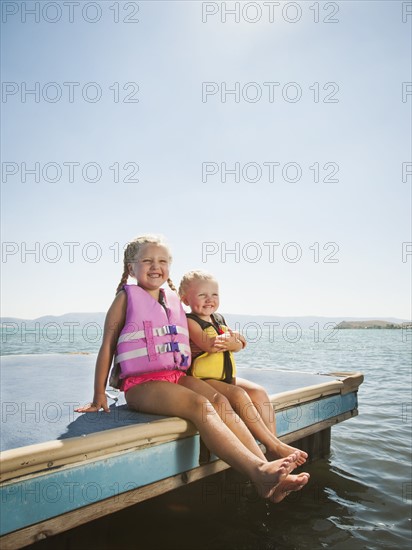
114 322
200 338
231 341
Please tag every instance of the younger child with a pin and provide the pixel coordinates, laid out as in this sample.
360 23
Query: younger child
212 344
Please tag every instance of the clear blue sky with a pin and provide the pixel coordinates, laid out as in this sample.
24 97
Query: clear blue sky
313 101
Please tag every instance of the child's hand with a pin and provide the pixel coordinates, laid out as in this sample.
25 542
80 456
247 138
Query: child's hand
221 342
240 339
227 341
99 402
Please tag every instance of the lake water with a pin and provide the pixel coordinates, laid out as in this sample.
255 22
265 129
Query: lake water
357 498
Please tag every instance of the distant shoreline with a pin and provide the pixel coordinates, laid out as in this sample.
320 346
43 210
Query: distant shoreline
375 324
80 319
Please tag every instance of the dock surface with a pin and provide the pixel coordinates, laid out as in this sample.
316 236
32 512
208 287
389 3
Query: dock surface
60 468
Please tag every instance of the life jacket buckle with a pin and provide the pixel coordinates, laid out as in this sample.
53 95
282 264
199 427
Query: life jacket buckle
185 360
173 346
172 329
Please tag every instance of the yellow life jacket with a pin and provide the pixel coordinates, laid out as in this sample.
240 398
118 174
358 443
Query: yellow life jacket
218 366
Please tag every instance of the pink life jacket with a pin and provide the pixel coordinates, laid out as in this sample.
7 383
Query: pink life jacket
153 338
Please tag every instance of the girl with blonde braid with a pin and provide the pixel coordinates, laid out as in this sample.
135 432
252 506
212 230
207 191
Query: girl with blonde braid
153 360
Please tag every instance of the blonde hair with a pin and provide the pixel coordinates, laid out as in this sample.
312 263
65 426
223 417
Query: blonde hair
191 276
133 248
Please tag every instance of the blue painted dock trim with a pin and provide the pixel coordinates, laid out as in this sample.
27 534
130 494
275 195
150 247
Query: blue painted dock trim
65 489
306 414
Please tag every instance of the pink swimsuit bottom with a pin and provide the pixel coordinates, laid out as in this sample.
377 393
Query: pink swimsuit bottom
172 376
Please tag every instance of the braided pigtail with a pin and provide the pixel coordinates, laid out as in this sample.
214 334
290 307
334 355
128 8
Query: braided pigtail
123 280
171 285
129 255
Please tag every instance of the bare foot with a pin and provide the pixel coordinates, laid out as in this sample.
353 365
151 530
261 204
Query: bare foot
280 450
285 487
273 473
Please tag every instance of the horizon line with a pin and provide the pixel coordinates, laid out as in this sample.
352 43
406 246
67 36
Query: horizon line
343 317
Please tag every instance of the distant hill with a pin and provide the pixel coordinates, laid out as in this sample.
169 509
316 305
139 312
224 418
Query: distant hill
373 324
80 318
303 322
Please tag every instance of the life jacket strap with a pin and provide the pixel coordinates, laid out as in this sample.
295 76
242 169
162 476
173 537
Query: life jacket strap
160 348
148 333
157 331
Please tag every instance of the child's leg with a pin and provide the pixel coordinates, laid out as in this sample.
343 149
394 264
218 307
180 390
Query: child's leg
261 400
271 478
245 408
224 409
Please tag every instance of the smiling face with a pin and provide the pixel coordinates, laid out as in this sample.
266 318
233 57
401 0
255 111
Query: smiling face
151 267
202 296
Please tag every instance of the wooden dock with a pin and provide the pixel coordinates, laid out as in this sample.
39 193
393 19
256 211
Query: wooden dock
59 469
